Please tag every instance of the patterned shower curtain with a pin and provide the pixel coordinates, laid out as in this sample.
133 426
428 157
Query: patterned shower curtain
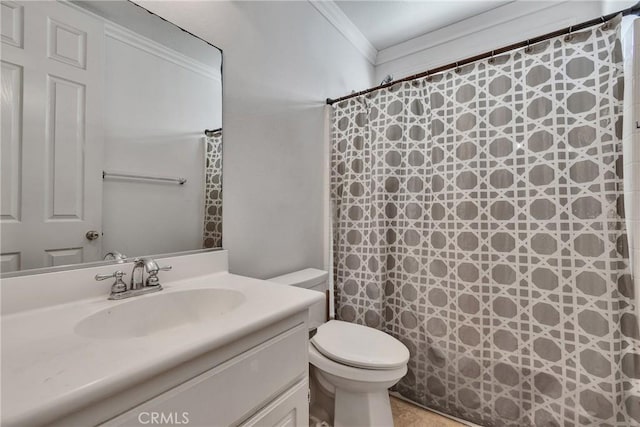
213 191
479 219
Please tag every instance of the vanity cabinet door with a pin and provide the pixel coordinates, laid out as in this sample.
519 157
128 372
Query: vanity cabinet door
290 409
230 392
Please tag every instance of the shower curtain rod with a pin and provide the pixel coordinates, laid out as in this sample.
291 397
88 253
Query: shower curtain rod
212 132
633 10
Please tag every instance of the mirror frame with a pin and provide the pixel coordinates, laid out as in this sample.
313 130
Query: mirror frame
92 264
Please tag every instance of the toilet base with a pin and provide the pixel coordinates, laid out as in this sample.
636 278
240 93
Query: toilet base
374 409
321 405
355 404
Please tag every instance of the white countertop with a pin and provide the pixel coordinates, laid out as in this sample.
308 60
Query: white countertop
48 370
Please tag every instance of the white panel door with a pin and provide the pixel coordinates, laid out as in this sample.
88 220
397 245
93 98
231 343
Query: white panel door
51 183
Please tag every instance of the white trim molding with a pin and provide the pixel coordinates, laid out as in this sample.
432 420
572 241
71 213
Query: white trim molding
513 10
346 27
147 45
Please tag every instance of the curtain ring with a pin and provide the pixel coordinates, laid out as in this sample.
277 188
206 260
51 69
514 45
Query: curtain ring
428 77
457 70
605 23
528 48
492 59
569 36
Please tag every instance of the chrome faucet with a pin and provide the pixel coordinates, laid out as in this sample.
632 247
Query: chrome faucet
138 285
115 256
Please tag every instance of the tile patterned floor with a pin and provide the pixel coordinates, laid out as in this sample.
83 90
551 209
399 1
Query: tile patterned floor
407 415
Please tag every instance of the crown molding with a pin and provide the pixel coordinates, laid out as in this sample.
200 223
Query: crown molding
161 51
465 28
330 10
133 39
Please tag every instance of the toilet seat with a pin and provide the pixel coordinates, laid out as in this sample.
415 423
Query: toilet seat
329 366
359 346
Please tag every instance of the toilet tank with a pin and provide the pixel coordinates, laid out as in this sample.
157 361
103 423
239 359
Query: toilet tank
312 279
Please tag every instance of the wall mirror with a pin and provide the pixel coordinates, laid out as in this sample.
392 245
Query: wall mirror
111 136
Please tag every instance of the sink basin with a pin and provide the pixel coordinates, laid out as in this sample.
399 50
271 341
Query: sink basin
150 314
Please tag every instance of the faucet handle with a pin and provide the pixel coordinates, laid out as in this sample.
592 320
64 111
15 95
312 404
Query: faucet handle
153 280
118 286
117 274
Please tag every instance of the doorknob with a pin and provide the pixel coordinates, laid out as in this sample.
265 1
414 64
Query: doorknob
92 235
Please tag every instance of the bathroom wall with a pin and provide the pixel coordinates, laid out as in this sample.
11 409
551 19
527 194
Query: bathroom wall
281 60
611 6
156 110
500 27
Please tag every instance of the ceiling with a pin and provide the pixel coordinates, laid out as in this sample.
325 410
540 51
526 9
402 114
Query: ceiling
387 23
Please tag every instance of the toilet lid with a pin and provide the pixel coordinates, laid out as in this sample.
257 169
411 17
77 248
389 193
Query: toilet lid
359 346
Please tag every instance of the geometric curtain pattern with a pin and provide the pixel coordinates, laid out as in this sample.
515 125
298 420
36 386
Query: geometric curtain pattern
478 218
213 192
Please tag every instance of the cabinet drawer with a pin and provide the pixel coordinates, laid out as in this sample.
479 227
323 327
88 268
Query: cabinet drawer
290 409
231 391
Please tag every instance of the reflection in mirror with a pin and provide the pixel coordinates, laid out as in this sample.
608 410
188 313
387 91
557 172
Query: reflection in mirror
213 189
111 135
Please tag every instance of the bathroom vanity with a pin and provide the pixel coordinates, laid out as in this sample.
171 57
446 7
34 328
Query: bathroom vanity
211 348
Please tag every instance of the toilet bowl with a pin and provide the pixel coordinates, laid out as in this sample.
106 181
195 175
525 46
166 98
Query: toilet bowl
351 366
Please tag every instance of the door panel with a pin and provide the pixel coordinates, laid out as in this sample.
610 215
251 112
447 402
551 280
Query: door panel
58 257
66 44
65 149
12 23
11 159
10 262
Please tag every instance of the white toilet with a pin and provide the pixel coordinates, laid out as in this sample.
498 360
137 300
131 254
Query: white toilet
352 366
